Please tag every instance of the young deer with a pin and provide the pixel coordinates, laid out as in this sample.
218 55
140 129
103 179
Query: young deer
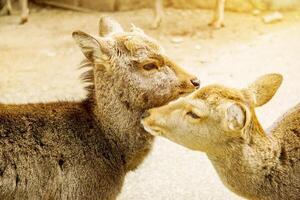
222 123
217 21
83 150
7 9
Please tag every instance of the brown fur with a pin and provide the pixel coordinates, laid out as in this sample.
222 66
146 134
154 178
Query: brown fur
83 150
222 122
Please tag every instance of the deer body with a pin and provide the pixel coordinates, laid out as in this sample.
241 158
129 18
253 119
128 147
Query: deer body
267 168
222 123
83 150
57 151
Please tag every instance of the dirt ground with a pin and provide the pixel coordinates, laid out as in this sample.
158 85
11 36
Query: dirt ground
39 60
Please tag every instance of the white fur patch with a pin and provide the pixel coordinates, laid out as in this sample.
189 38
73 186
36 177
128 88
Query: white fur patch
236 117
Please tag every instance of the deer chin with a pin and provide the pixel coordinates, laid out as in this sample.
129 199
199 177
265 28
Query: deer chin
153 130
184 93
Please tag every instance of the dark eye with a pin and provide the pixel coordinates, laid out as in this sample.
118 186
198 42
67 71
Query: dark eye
150 66
193 115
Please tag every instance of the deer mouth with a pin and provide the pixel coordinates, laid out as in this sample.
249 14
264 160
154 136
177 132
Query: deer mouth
153 130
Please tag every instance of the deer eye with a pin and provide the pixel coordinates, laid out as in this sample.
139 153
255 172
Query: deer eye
150 66
193 115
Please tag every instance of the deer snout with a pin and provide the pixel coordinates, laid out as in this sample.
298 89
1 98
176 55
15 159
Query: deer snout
196 82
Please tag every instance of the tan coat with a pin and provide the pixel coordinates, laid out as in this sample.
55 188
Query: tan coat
221 122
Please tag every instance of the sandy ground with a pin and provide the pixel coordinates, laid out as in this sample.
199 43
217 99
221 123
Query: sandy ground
39 60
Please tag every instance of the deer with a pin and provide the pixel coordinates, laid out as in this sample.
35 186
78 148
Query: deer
84 149
7 9
217 20
221 122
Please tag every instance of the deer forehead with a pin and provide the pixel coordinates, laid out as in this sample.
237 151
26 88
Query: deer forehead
195 104
216 94
135 42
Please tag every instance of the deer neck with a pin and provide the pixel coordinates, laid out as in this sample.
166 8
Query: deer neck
120 122
244 164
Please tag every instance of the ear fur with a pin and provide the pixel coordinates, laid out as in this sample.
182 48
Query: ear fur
263 89
96 51
136 29
109 26
236 116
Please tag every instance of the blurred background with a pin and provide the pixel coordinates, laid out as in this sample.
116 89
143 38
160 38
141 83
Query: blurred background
39 62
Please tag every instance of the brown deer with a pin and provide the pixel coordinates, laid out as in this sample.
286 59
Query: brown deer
217 21
83 150
221 122
7 9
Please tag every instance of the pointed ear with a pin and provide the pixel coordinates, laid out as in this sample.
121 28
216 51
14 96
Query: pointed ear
136 29
263 89
109 26
96 51
236 116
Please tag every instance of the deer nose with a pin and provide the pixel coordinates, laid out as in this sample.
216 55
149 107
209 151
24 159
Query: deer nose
196 83
145 115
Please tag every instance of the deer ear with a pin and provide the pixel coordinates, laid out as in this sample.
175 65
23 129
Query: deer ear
136 29
263 89
236 117
109 26
96 51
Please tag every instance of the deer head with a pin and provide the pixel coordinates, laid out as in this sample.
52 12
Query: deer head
212 115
